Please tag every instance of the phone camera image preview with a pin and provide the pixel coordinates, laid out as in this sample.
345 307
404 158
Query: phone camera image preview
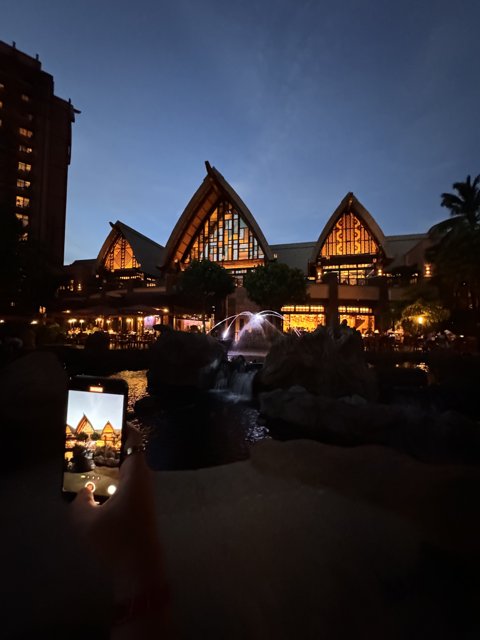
93 436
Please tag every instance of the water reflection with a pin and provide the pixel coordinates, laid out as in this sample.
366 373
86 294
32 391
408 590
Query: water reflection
217 429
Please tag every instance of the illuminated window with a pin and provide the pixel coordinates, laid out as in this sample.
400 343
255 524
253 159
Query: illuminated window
23 166
350 273
343 309
25 98
120 256
303 321
25 149
349 237
224 237
427 270
21 202
23 184
303 308
25 132
23 219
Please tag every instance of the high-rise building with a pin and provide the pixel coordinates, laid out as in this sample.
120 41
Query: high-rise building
35 145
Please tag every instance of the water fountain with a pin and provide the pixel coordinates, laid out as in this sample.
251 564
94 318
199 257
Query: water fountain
249 334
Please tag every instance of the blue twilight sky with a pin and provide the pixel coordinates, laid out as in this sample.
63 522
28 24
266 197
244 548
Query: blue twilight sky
99 408
295 102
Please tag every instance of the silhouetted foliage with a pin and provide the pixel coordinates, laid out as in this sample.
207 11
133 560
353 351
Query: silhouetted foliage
456 248
275 285
204 283
423 316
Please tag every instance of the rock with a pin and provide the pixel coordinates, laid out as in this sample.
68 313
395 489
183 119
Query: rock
33 394
324 363
97 342
183 360
426 435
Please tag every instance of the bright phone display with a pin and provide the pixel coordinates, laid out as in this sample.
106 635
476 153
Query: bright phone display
93 434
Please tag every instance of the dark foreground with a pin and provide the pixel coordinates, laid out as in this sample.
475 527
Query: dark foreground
302 540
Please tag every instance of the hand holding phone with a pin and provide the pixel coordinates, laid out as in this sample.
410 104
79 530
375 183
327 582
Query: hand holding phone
94 435
123 534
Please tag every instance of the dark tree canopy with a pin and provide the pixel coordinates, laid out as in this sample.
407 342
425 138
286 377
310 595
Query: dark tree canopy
275 285
204 283
464 205
456 249
205 279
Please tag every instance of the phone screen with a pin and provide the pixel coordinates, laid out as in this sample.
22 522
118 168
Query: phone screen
93 441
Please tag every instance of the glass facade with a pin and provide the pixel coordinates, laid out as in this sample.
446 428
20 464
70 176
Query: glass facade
224 237
349 237
302 317
351 273
120 256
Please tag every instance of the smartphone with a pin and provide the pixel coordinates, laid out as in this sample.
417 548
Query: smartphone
94 435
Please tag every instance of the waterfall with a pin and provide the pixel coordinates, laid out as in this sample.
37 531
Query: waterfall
240 383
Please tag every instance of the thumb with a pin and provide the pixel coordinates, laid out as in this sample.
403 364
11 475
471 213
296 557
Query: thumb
84 500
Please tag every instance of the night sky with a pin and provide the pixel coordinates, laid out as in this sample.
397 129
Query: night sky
294 102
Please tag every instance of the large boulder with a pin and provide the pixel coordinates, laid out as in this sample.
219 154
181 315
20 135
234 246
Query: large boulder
351 421
326 363
33 394
184 360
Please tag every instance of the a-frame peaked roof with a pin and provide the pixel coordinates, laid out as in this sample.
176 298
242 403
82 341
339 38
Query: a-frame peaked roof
213 189
149 254
84 425
108 428
350 203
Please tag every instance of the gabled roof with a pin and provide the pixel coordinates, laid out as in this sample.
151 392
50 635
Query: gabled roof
84 424
213 189
148 253
295 255
108 428
350 202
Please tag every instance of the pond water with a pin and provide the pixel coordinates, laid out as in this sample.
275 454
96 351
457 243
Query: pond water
217 429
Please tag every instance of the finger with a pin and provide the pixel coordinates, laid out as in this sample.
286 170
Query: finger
134 436
84 499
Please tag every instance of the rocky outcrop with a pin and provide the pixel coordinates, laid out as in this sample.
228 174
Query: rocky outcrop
184 360
326 363
350 421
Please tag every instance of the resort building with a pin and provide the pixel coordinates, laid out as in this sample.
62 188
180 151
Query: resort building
35 146
354 271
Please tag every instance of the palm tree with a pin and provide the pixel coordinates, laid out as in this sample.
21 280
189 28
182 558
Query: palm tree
464 207
457 245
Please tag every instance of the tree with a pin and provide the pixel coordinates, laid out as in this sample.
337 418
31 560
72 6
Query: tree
421 316
457 245
205 283
275 284
464 207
